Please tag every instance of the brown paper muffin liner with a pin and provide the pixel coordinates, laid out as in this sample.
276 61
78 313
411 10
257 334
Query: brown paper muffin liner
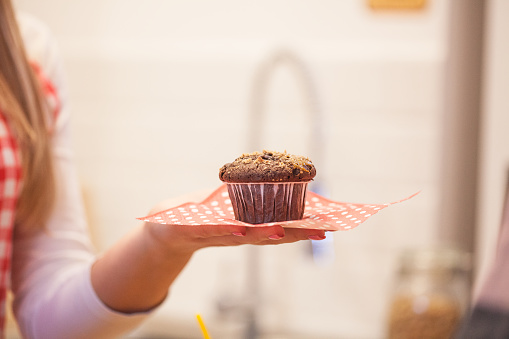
258 203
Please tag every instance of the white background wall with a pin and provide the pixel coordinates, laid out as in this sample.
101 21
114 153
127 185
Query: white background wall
160 97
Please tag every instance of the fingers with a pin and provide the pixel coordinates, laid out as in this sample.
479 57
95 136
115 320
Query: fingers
258 234
297 234
210 231
190 235
248 235
267 235
278 234
194 237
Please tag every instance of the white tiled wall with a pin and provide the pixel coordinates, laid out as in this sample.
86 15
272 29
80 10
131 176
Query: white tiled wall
161 92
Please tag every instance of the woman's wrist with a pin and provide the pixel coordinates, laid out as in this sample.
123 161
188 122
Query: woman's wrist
164 246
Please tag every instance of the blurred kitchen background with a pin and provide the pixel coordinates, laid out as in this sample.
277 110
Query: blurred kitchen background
387 101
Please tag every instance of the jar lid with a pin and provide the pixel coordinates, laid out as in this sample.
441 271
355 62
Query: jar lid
432 259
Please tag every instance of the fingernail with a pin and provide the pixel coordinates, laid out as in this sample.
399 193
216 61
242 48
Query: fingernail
239 234
275 237
316 237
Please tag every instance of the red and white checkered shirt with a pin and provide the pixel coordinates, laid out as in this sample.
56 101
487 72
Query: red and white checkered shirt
10 187
10 184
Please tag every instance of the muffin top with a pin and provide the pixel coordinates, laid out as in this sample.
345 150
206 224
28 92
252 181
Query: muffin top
268 166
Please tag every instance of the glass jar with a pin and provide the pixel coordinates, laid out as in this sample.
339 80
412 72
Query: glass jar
431 294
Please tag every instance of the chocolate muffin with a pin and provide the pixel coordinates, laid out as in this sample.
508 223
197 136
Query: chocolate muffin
268 186
268 166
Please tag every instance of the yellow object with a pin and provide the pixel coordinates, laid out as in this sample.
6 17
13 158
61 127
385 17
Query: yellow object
203 328
397 4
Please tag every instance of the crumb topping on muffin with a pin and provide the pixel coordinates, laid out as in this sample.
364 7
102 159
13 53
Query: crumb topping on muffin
268 166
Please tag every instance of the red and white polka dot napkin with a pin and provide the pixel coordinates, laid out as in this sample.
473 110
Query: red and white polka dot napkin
320 213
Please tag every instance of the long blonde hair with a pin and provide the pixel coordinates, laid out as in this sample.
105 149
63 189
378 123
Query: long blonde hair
27 112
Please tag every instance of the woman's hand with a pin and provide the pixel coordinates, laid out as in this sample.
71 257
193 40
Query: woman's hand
184 240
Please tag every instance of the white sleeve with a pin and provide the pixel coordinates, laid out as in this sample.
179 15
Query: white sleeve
53 294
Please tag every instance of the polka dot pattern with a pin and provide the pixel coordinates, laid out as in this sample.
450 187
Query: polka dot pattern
320 213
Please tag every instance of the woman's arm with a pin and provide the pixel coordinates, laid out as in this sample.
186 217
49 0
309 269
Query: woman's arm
136 273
